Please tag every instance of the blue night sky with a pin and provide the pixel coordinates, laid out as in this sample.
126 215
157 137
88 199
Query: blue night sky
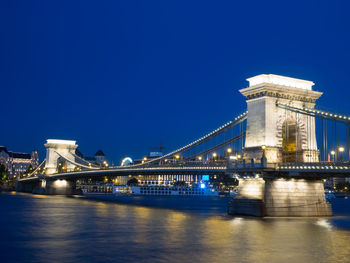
123 76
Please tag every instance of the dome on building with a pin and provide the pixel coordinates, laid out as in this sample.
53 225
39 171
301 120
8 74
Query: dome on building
99 153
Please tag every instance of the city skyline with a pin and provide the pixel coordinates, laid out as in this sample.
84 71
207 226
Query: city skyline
135 76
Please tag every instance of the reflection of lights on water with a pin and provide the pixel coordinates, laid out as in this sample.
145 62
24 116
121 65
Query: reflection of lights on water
324 223
40 196
237 221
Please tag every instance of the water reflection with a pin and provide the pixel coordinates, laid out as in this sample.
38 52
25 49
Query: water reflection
59 229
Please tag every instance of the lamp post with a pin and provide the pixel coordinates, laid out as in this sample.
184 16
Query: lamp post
341 150
214 155
333 154
177 157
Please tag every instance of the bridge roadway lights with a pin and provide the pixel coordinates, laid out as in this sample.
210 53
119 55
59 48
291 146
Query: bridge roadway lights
280 198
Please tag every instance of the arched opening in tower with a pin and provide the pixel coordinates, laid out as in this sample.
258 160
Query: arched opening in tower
291 141
61 165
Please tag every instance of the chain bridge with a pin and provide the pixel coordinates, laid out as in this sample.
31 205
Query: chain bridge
281 149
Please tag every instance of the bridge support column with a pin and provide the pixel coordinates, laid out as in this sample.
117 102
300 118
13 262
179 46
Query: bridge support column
60 187
280 198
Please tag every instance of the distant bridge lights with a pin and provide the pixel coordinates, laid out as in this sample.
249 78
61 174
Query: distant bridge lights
341 150
333 155
229 150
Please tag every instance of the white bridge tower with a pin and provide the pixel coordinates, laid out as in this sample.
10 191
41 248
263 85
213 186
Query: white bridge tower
56 149
282 135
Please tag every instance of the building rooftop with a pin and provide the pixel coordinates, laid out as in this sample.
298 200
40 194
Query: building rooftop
15 154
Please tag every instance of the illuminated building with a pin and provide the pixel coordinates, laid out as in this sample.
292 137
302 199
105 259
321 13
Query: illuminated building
17 163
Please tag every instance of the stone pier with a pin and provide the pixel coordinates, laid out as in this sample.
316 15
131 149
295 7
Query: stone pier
280 198
49 187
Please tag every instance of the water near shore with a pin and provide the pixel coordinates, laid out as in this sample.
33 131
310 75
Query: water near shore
38 228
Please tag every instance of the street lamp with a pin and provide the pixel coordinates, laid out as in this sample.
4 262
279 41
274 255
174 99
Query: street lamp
214 155
229 150
200 158
341 150
333 154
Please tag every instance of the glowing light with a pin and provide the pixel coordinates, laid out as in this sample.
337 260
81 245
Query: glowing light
280 80
177 156
324 223
60 183
205 177
200 158
341 149
332 152
237 221
202 185
229 150
63 142
126 161
214 154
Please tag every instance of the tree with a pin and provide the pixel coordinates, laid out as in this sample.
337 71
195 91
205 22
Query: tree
3 174
133 181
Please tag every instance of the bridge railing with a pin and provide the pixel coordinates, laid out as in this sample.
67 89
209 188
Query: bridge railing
318 165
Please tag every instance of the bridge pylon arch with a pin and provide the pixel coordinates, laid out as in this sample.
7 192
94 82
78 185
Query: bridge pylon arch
56 149
264 132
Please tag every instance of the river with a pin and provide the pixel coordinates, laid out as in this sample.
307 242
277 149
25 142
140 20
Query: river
38 228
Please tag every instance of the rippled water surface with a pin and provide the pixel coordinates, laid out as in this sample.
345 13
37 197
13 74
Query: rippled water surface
59 229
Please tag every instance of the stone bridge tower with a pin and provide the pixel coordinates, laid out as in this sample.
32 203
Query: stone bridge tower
55 150
283 135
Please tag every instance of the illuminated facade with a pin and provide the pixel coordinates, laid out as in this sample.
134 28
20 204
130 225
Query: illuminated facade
17 163
284 135
57 150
